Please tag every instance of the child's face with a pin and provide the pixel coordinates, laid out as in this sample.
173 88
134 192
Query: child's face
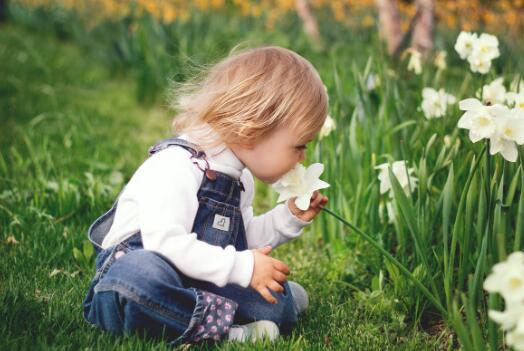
274 155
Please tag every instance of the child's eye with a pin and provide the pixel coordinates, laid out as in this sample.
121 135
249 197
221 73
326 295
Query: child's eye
301 147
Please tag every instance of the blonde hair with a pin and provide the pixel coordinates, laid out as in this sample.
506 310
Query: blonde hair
247 95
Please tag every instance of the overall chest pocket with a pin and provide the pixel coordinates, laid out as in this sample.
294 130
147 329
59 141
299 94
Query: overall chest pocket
216 222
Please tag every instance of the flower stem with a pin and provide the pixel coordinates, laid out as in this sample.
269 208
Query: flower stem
488 196
393 260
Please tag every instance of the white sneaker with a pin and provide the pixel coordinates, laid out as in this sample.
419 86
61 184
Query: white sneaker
254 331
300 297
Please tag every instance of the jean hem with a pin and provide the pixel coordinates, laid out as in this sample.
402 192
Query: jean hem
196 319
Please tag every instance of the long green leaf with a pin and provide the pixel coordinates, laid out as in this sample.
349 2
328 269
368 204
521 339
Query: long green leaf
393 260
519 227
447 194
408 213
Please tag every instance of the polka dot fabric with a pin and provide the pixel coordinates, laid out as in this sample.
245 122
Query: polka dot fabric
218 316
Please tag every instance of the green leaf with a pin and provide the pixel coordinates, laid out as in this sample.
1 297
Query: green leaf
400 127
77 254
460 328
519 227
408 213
434 300
512 188
448 195
473 325
88 249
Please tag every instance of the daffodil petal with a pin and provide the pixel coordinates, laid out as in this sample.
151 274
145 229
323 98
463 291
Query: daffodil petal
492 283
466 121
319 184
470 104
303 201
315 170
284 196
509 151
495 146
474 136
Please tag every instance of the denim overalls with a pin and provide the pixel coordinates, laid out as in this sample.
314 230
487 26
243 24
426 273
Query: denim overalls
141 290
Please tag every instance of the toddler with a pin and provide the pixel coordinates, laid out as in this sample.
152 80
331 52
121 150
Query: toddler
180 254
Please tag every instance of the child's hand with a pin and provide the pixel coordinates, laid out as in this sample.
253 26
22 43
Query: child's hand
268 273
315 205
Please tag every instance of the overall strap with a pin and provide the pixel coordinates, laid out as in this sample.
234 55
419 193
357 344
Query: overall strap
100 227
194 149
197 154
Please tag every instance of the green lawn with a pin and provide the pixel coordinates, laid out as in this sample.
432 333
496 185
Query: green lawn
71 134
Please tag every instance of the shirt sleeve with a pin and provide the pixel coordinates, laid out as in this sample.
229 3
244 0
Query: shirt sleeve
165 190
274 227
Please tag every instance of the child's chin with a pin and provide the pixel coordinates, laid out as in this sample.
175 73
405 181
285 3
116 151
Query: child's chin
268 180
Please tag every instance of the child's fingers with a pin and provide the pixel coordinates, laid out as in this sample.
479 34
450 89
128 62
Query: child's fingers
267 295
317 201
279 277
322 201
281 266
265 250
314 196
276 287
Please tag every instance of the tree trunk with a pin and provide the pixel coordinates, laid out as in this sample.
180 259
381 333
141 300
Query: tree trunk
3 10
422 38
389 19
310 23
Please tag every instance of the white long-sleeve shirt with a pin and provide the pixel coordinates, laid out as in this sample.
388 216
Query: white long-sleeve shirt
161 201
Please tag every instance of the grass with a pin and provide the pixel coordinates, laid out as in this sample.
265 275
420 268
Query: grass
71 135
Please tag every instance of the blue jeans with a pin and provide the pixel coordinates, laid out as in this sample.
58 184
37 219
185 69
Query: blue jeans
141 290
135 289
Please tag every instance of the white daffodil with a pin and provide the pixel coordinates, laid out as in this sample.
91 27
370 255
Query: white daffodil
510 130
479 64
435 103
494 92
415 60
515 96
485 49
327 128
515 338
465 43
507 278
517 85
478 50
504 128
516 99
478 118
401 172
507 148
392 213
511 125
387 209
440 60
517 112
486 46
300 183
508 318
